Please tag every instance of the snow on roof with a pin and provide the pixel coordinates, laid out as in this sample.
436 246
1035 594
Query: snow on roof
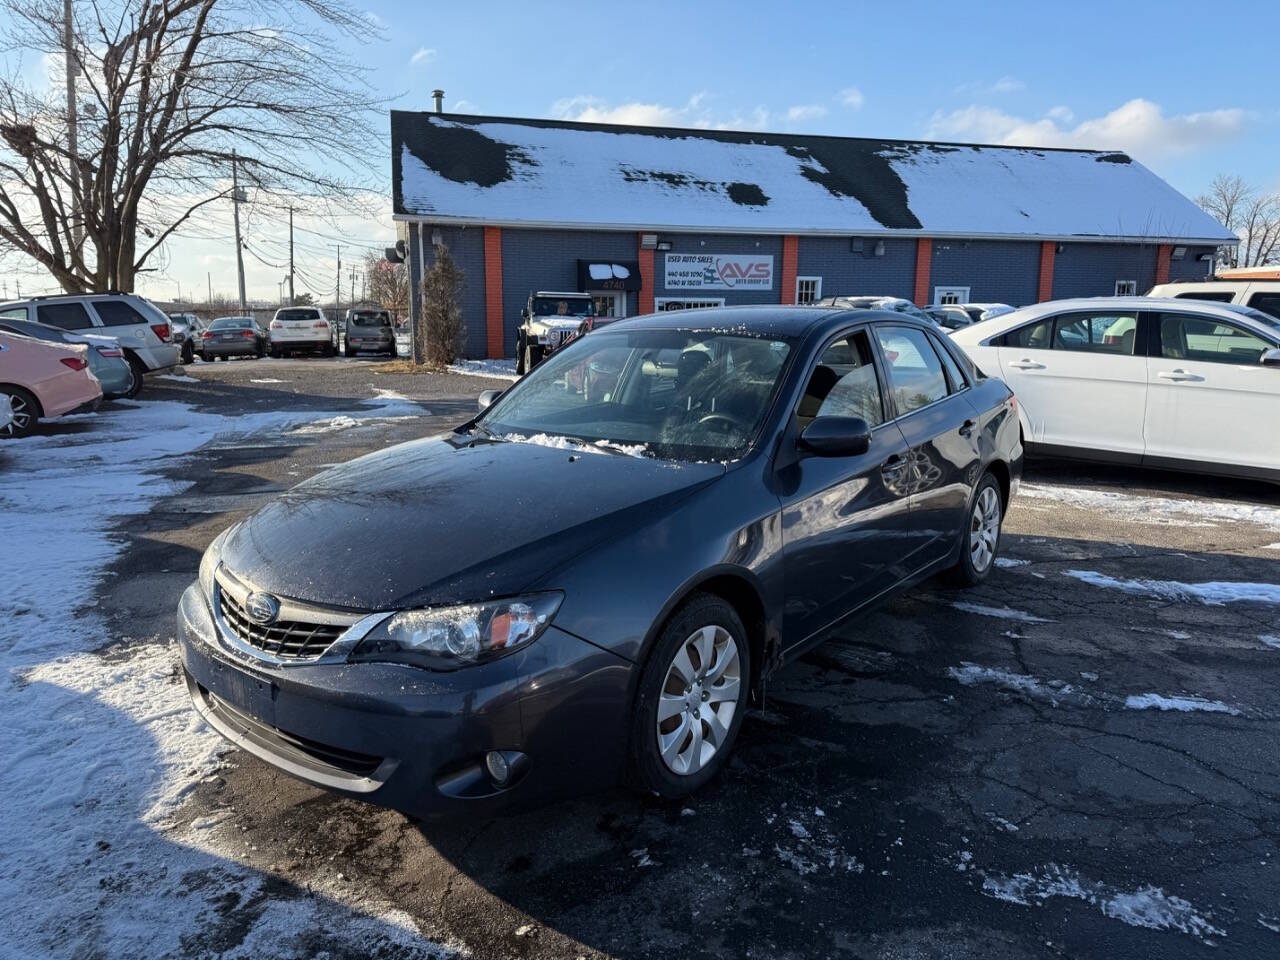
448 167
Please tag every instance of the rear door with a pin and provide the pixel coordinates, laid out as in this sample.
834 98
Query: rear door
845 520
125 323
1209 399
930 396
66 315
1082 380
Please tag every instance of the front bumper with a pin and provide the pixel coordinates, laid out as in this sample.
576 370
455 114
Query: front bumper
414 739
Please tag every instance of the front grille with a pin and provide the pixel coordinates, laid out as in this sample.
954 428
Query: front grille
281 741
287 639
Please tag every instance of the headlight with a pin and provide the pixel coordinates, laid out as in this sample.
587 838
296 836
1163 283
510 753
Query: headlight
445 638
209 562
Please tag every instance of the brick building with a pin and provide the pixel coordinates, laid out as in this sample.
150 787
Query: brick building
650 218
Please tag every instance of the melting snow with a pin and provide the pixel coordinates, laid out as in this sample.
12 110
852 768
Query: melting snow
180 377
1214 593
1147 906
1156 701
1002 613
1054 691
1164 510
1270 639
1010 562
557 442
494 369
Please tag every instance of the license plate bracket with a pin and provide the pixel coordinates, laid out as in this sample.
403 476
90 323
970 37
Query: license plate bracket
247 694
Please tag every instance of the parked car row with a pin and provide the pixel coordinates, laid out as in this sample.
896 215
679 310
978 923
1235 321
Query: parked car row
41 379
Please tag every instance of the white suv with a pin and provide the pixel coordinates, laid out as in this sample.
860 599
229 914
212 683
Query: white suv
302 328
1262 295
142 329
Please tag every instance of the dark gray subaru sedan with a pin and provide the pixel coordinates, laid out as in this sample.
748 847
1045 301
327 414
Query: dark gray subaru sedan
581 584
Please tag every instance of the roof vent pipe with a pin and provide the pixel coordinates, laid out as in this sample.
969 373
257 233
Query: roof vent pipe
438 97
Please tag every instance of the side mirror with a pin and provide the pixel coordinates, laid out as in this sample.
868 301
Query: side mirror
1270 358
836 436
487 399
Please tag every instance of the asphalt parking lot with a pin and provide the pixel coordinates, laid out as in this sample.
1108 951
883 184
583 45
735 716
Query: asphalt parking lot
1076 759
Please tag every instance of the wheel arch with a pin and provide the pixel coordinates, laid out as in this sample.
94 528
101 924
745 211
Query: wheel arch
1000 470
29 392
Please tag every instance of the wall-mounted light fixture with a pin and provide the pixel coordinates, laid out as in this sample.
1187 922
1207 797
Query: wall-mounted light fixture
878 250
1059 248
664 245
1205 257
437 238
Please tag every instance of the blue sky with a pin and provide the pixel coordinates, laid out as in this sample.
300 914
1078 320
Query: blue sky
1188 92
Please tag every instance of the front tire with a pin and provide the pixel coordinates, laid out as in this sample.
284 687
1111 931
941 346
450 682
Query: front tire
26 413
691 699
521 370
188 352
532 357
980 543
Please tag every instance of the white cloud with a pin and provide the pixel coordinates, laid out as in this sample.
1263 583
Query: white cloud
852 97
1138 126
422 55
695 112
806 111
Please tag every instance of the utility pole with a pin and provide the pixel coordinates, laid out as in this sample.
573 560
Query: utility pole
235 203
68 41
209 280
291 256
337 303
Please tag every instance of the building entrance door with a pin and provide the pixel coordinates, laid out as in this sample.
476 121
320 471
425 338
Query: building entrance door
609 303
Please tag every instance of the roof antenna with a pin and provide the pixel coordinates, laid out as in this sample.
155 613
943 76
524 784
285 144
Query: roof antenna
438 97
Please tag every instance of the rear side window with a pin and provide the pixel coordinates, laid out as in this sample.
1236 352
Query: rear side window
14 313
117 313
1214 296
916 378
1109 332
1266 302
954 376
68 316
1034 336
1187 337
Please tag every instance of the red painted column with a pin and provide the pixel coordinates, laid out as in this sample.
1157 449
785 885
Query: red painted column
645 257
1164 254
924 254
790 264
1048 251
495 339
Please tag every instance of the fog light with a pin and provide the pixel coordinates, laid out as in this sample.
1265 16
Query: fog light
498 767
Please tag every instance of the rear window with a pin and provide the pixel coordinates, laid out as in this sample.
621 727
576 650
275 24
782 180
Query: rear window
117 313
1216 296
68 316
231 323
1268 303
299 313
371 319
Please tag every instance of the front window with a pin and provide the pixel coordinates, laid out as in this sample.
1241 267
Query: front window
563 307
915 372
672 394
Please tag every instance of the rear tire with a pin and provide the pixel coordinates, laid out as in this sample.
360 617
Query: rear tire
135 384
980 537
188 352
274 353
26 413
697 680
139 369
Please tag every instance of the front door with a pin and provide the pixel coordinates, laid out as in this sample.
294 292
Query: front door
609 303
845 520
930 396
1081 379
1208 397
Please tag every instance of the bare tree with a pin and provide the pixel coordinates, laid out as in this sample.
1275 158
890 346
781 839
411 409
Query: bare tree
169 91
388 283
440 332
1250 214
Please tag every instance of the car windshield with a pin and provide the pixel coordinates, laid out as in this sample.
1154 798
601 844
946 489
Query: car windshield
671 394
563 306
231 323
1270 322
307 313
370 318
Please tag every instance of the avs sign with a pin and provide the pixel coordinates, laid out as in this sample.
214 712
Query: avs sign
716 271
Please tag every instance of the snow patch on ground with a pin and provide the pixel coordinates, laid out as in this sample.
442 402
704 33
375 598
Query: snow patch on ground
1271 640
180 377
1147 906
1163 510
1156 701
270 380
494 369
1053 691
1214 593
105 745
1009 562
1002 613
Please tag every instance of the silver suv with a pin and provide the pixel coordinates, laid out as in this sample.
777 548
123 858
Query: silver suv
141 328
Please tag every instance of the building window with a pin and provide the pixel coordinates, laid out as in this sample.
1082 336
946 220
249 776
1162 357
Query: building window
1126 288
808 290
663 304
943 295
610 304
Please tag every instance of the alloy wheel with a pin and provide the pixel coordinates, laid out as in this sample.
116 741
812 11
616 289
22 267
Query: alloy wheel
21 417
984 529
698 700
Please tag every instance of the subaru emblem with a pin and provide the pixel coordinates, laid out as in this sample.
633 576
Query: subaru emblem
262 607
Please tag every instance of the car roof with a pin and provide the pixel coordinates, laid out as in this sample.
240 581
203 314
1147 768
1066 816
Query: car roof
789 322
560 293
987 329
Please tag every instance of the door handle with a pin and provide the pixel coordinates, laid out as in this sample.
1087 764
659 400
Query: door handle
1026 365
966 428
1177 375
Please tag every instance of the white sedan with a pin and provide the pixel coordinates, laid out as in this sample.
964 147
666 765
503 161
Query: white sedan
1178 384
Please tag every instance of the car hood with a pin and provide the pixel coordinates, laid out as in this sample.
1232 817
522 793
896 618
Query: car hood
446 520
